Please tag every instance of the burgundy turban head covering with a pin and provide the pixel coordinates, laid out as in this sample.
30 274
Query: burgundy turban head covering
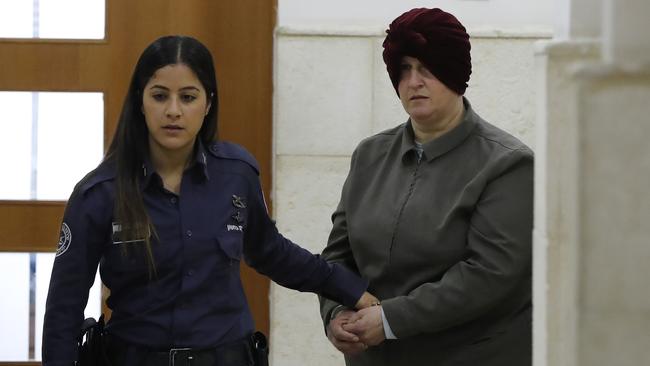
436 39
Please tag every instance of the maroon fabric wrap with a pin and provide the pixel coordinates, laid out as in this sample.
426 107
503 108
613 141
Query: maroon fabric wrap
434 37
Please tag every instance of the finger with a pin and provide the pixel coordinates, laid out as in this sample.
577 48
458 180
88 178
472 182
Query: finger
341 334
354 328
373 336
357 327
343 316
353 318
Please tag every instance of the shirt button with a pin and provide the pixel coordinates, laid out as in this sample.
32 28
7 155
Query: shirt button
189 233
190 273
173 200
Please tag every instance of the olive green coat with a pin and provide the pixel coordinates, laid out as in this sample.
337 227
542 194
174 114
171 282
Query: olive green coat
445 242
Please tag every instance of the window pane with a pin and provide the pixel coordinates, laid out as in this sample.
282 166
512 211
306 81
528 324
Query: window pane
16 18
15 145
18 275
70 141
14 308
67 19
72 19
51 141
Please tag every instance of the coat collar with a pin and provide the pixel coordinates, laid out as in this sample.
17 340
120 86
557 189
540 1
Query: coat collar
444 143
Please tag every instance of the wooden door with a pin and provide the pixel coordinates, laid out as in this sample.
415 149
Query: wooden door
238 33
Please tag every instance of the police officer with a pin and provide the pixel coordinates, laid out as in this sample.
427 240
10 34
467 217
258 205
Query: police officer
168 215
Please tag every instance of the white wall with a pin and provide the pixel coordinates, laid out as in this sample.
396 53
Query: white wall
503 14
591 194
331 90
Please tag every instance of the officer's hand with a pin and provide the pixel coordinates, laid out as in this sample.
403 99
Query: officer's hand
366 300
344 341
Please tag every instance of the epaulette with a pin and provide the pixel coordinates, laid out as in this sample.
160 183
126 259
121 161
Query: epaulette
229 150
100 174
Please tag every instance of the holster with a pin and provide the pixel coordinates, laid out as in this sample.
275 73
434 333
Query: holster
90 343
260 348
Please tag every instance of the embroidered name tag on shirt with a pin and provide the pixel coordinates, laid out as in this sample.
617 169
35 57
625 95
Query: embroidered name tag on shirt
117 231
234 227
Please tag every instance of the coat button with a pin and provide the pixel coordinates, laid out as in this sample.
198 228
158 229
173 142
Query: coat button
189 233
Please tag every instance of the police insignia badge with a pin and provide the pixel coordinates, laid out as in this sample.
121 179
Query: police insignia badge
238 217
65 238
238 201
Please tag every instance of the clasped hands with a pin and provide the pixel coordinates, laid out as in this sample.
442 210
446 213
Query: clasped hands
351 332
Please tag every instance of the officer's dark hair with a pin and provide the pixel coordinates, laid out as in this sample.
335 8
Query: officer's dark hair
130 144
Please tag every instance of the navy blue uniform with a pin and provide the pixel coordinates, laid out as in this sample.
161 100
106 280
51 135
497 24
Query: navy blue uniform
195 297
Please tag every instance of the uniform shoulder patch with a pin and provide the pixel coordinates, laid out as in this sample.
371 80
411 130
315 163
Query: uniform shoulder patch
229 150
65 238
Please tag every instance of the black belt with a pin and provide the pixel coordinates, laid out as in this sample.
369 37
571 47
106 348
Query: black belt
232 354
236 354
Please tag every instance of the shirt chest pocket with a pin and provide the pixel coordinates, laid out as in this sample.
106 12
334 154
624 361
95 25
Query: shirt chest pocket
230 244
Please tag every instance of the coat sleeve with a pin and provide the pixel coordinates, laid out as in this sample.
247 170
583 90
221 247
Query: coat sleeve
338 245
286 263
73 274
499 260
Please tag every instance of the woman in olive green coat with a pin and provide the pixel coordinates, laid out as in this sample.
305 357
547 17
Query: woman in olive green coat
437 213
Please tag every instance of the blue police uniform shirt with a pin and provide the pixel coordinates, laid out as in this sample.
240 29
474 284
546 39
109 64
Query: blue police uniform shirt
195 297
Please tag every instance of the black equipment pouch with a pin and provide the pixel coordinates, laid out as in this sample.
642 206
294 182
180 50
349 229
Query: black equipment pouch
260 349
90 343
